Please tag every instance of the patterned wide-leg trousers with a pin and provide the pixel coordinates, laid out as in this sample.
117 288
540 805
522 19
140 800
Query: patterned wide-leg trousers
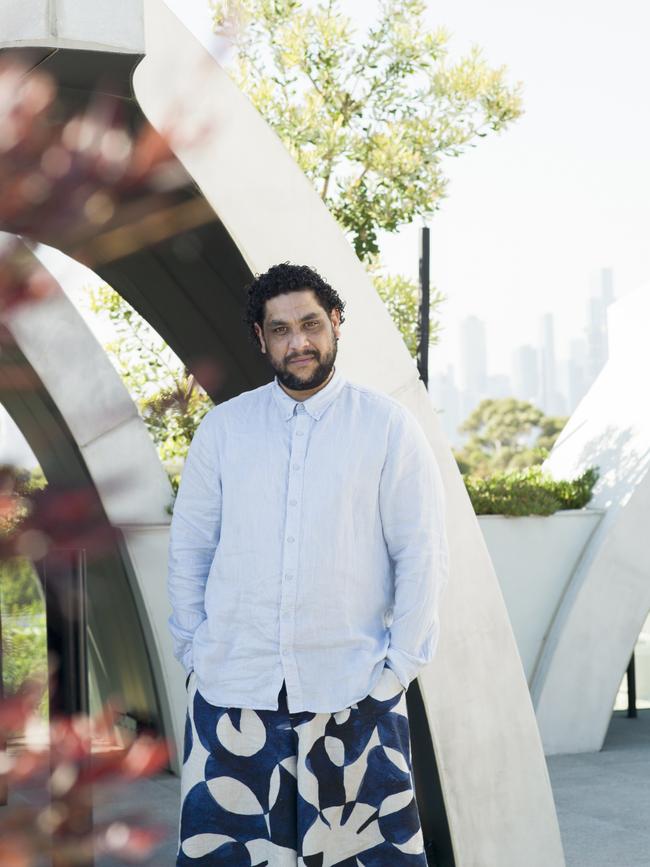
269 787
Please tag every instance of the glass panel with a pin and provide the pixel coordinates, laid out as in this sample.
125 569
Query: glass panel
24 639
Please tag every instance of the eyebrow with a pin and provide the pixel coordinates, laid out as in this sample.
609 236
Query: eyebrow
302 319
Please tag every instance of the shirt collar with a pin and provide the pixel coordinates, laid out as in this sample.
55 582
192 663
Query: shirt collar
314 405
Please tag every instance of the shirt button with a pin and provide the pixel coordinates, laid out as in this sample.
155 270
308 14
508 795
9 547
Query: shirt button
286 613
296 466
299 433
285 652
290 539
292 502
288 576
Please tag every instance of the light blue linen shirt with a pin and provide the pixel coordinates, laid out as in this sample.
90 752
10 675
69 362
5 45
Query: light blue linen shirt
307 544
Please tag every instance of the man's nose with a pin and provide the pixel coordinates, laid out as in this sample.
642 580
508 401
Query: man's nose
298 343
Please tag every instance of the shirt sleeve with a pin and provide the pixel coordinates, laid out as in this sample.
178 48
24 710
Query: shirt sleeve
412 508
193 538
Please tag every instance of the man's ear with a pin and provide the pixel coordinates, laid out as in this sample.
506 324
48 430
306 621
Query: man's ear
260 336
335 318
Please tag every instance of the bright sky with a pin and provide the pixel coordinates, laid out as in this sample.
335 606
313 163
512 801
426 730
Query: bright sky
533 214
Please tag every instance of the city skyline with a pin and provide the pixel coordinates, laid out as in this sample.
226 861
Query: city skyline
533 214
537 372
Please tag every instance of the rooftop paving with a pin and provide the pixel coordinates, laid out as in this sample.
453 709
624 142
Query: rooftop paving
602 801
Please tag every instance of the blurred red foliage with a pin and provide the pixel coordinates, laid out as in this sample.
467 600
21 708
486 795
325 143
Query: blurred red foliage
94 187
74 778
85 183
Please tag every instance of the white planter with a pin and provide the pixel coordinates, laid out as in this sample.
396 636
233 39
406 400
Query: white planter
534 557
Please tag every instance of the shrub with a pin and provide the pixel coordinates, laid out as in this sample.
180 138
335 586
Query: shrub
529 492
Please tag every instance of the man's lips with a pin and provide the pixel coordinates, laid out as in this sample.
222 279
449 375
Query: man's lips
302 360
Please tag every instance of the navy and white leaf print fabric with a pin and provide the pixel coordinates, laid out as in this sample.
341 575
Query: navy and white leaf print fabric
269 788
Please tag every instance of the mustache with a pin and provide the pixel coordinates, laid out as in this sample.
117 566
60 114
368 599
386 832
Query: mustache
308 355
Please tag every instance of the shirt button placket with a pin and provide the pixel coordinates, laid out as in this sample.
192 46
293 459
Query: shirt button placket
291 552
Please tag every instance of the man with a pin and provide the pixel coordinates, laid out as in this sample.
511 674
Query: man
307 556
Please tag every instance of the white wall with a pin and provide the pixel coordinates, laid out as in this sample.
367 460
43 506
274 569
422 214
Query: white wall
109 25
608 598
534 557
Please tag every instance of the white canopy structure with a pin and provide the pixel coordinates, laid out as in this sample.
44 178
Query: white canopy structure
475 736
598 621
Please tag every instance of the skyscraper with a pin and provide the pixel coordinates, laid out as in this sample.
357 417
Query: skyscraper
547 366
525 374
596 329
444 395
473 364
576 367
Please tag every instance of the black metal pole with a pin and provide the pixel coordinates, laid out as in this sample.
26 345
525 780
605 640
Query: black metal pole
631 688
423 312
63 573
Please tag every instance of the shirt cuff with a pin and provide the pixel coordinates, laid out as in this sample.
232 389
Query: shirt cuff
405 667
187 662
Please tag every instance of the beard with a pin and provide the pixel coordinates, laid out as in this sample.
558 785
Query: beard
319 371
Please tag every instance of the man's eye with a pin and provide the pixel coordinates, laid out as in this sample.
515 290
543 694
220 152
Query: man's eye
314 322
278 329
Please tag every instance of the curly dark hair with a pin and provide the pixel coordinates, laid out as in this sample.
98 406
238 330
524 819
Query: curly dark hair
287 278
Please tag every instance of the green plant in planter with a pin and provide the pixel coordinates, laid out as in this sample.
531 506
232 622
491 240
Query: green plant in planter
529 492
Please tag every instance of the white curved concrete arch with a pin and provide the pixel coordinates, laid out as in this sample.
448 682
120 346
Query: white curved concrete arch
493 772
98 26
608 598
119 455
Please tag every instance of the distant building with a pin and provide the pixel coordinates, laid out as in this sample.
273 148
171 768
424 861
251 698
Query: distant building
473 364
445 398
525 374
596 329
499 385
576 379
549 398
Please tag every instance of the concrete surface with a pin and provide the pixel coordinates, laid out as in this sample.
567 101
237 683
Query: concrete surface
101 25
607 600
602 801
120 457
603 798
535 557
